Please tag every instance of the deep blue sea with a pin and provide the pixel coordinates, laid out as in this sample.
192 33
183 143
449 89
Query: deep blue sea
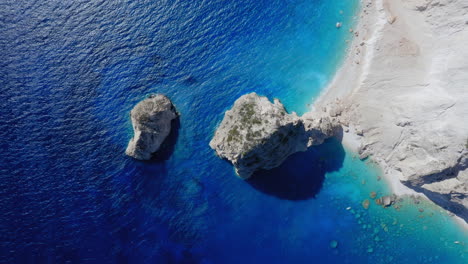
70 72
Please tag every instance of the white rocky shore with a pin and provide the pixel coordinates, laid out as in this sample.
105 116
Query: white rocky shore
151 120
402 95
258 134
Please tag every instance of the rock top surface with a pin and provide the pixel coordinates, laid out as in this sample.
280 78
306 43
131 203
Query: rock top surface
151 120
258 134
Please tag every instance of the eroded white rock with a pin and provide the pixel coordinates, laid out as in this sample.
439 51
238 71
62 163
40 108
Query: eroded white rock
151 120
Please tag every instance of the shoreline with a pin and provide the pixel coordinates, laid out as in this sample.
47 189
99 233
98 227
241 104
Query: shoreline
374 25
357 64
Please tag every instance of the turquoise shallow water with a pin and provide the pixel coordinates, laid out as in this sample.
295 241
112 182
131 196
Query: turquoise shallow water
413 225
71 71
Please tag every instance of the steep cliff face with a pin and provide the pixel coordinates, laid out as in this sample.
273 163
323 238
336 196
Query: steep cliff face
151 120
257 134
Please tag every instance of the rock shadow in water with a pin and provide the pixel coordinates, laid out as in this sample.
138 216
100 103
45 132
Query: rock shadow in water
301 176
168 145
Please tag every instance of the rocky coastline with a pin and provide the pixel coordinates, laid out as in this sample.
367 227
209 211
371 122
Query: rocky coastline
402 98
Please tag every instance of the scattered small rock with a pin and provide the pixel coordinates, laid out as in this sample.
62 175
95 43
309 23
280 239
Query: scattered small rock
403 123
387 200
259 134
373 195
391 20
151 121
421 210
333 244
338 24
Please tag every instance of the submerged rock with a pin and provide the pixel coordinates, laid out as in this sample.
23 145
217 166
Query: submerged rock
258 134
151 120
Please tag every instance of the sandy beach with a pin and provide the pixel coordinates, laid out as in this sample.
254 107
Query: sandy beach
401 96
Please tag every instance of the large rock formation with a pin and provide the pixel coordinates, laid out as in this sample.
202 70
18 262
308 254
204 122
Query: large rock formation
257 134
151 119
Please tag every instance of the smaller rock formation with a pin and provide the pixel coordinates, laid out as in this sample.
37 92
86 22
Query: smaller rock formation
257 134
151 120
